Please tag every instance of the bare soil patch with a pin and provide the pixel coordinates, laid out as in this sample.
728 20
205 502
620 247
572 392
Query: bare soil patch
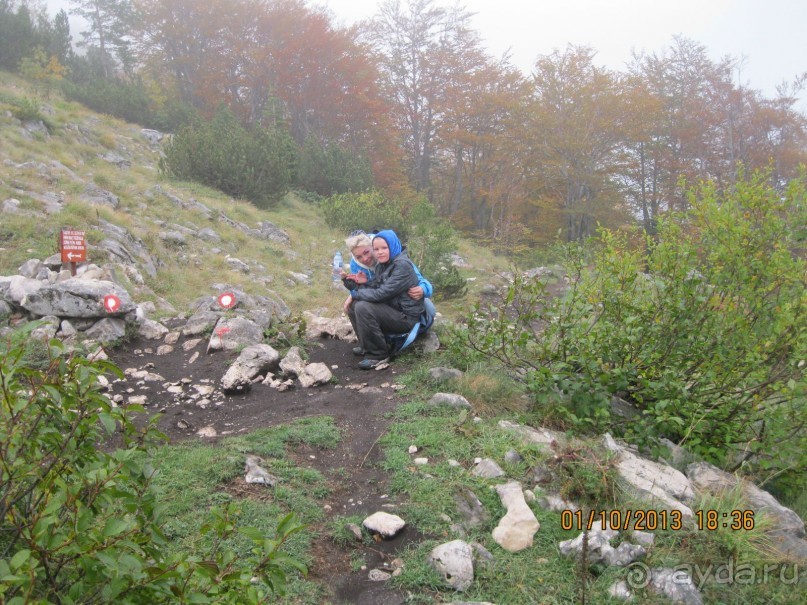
357 400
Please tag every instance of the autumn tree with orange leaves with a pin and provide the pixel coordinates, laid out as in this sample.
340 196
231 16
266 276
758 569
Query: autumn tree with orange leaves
277 60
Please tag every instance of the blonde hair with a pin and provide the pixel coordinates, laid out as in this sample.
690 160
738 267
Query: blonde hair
360 239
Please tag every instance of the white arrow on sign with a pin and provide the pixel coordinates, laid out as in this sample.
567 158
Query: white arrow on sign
71 256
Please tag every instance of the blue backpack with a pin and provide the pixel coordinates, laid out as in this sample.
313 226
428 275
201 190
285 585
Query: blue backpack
398 342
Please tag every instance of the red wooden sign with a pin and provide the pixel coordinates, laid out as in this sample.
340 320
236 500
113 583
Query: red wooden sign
227 300
73 246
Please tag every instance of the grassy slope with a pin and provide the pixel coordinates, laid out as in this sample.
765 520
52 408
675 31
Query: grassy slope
77 140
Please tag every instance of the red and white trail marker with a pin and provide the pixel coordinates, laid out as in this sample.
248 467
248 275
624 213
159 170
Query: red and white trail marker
227 300
111 303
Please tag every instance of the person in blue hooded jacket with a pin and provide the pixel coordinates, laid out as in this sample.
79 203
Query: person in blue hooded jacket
383 305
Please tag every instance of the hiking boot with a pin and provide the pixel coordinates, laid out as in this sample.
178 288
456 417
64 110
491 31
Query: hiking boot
358 351
369 364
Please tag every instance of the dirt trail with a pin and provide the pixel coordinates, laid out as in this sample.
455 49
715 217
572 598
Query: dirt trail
358 413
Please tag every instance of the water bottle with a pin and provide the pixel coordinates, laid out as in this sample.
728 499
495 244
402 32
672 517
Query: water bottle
337 266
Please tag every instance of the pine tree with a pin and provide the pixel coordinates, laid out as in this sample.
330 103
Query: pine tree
109 24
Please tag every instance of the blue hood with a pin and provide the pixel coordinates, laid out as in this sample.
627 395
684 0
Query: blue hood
395 248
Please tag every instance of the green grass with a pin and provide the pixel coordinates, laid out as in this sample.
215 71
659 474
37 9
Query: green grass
539 574
194 477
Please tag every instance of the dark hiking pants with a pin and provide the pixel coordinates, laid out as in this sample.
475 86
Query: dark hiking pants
372 320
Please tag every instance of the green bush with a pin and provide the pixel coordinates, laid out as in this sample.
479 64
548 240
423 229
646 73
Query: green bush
368 210
82 524
128 102
24 109
429 240
701 330
330 169
254 165
430 243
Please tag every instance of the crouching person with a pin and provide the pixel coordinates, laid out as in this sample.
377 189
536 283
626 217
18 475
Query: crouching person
383 305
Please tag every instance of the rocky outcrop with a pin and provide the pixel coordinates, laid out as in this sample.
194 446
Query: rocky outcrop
785 529
77 297
658 484
231 333
126 249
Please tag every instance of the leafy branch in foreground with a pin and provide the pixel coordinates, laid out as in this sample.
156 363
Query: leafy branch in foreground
81 524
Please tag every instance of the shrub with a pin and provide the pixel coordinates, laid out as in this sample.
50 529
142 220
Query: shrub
25 110
128 102
429 240
700 329
430 243
81 524
369 210
253 165
330 169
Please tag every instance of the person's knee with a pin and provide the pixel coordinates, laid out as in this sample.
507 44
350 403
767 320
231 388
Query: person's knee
362 308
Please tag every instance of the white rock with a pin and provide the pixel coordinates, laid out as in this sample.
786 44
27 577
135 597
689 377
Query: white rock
256 473
384 524
517 528
151 330
191 344
252 361
454 561
293 362
315 374
450 399
542 437
376 575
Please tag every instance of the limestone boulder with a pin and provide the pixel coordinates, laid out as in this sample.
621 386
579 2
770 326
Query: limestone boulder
77 297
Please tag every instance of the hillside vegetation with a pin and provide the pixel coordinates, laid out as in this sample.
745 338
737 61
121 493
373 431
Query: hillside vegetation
412 103
65 163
